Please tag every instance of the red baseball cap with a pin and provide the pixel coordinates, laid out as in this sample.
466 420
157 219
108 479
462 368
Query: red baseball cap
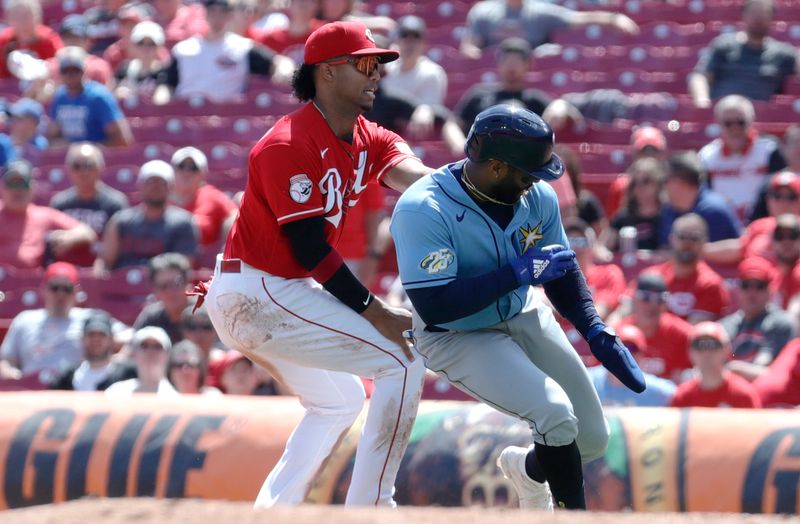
648 136
755 268
710 330
344 39
62 269
786 179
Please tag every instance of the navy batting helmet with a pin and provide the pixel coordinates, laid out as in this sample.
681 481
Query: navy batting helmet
517 137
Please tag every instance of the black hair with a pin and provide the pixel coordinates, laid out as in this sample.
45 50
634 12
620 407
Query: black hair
303 86
166 261
687 166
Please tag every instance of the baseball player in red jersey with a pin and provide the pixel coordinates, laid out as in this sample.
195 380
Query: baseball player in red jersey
281 293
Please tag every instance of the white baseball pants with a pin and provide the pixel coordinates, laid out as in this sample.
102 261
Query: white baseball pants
316 345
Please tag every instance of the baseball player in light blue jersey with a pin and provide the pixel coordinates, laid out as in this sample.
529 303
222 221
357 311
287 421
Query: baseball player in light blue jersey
472 238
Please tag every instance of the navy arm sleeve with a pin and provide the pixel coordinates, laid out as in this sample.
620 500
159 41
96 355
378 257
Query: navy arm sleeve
572 299
309 246
462 297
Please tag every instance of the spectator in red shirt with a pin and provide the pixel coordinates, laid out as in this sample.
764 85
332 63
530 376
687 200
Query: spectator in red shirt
180 21
607 281
302 22
646 142
209 206
667 335
786 246
783 196
714 386
779 385
25 31
697 292
30 233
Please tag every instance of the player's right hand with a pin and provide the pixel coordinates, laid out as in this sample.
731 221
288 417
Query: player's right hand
540 265
390 321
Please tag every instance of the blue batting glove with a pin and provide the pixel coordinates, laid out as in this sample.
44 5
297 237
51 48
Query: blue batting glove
539 265
615 357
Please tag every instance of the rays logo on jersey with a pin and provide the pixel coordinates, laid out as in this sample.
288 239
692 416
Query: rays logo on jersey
539 266
529 236
437 260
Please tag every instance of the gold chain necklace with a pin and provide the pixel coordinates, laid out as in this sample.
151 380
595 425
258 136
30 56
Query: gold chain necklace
477 192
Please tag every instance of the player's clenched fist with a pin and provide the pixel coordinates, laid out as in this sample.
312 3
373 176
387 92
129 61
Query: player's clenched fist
539 265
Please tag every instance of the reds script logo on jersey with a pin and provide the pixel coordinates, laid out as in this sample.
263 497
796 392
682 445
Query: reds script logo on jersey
331 187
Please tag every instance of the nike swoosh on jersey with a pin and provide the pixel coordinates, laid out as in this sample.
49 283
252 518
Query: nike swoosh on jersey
324 152
539 266
461 216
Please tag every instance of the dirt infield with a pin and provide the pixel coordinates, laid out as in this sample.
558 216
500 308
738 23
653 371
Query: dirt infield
152 511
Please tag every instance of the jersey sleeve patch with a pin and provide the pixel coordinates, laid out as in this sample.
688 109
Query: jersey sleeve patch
437 261
300 188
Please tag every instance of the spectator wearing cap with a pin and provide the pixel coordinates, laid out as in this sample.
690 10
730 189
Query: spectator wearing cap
714 385
666 335
779 385
24 133
738 161
138 75
786 264
489 21
217 66
47 340
697 292
237 375
31 233
759 329
209 206
135 235
686 192
783 197
169 279
97 370
644 198
414 74
89 199
646 142
83 110
128 17
790 148
187 370
748 63
25 32
179 20
150 348
74 31
612 392
290 40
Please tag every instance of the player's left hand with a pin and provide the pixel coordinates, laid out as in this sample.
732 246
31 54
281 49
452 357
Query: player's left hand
615 357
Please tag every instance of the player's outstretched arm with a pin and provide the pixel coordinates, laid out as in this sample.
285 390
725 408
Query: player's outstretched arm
405 173
571 297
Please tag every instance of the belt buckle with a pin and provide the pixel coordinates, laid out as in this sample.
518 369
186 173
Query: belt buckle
232 265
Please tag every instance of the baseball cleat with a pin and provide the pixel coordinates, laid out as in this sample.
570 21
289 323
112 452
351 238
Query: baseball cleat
531 494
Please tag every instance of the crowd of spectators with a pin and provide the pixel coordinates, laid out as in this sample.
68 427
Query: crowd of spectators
692 253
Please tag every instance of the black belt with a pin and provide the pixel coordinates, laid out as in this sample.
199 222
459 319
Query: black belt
435 329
